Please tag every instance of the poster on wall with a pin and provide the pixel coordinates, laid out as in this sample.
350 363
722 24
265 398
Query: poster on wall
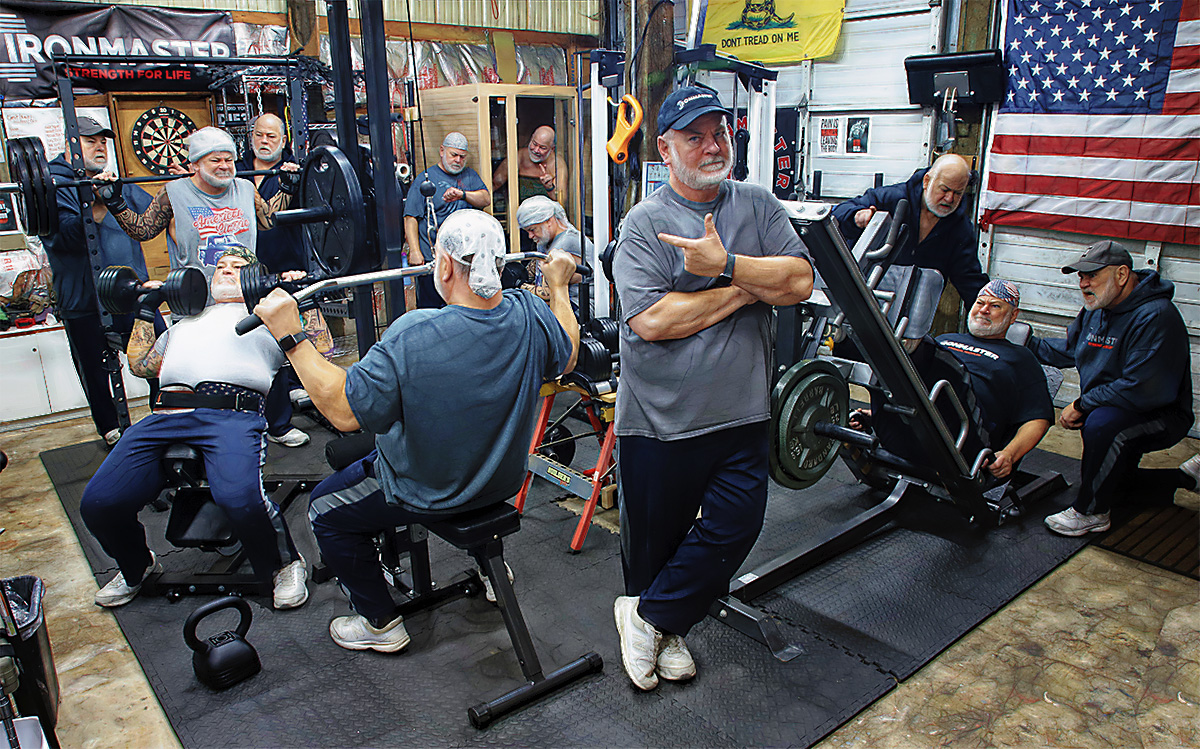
47 124
857 129
32 31
831 136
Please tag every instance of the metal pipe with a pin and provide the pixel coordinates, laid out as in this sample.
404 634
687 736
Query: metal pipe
12 187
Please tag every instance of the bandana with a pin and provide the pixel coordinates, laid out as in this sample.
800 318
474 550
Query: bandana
1005 291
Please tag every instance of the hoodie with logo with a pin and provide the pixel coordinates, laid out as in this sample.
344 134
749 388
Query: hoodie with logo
1133 356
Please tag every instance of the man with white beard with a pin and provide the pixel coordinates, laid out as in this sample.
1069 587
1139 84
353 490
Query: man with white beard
1004 389
74 286
456 186
546 223
540 170
279 248
944 238
213 209
214 385
698 264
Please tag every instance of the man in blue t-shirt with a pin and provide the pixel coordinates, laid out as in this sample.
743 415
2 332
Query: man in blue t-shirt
1003 388
456 186
450 395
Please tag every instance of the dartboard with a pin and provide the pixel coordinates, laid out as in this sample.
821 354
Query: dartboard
158 138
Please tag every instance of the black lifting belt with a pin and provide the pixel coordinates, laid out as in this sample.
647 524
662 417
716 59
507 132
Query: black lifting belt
245 400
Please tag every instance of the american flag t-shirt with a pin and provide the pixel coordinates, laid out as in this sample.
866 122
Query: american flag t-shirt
1099 132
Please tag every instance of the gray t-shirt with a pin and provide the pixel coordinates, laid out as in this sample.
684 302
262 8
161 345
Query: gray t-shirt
715 379
207 225
568 241
451 396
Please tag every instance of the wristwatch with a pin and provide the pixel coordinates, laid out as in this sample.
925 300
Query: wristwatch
726 277
289 342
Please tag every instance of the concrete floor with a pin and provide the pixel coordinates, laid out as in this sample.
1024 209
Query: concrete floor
1103 652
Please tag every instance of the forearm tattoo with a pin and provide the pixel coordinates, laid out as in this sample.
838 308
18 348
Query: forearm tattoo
150 224
144 358
266 208
317 331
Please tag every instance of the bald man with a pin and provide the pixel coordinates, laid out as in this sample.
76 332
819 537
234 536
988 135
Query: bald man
540 170
943 239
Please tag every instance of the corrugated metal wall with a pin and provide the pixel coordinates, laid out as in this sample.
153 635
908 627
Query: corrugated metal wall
261 6
553 16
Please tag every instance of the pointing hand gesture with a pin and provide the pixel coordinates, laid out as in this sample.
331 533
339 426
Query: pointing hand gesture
704 256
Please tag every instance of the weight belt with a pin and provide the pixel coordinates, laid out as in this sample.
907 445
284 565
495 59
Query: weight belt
220 395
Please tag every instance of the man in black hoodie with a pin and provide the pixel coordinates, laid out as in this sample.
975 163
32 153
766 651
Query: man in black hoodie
1130 346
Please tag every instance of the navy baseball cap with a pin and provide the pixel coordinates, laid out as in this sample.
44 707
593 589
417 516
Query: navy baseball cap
683 105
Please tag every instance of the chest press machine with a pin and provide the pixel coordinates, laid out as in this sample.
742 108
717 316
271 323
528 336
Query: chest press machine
860 294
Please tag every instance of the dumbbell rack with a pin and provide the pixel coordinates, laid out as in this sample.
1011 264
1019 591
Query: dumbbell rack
588 485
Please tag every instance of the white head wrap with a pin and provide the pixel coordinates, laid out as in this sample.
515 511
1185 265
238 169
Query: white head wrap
208 139
537 209
456 140
476 239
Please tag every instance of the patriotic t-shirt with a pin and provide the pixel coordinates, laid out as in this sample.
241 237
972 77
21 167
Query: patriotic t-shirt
207 225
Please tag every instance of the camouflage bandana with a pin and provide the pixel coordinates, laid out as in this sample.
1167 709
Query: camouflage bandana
241 251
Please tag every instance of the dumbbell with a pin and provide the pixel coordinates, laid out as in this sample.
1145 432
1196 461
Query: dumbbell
120 291
257 283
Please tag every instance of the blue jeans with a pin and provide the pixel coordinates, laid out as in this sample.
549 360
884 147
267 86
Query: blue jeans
676 563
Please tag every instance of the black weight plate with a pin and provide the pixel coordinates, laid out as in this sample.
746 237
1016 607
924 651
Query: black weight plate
19 173
814 393
255 283
563 452
37 209
49 189
186 290
328 181
116 286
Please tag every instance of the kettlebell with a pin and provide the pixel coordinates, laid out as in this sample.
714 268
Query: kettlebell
225 658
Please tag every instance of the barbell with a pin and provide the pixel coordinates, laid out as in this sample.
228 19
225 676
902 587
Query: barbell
120 291
37 189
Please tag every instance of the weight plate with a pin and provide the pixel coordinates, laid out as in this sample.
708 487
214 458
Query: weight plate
18 172
37 208
813 392
116 286
37 160
328 181
563 452
186 291
256 283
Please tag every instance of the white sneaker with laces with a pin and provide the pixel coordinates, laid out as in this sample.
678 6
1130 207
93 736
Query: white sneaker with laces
489 592
118 593
356 633
290 590
675 660
639 643
1072 523
1192 468
291 438
111 437
298 396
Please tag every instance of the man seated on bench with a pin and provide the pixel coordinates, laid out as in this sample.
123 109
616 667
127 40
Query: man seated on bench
214 385
1005 387
451 395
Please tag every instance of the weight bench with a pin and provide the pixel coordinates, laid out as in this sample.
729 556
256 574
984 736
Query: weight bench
480 533
879 306
196 521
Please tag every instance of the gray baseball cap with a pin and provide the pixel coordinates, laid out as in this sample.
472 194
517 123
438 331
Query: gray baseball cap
1101 254
89 126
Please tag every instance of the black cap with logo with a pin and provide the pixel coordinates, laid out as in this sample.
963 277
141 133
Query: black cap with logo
1103 253
683 105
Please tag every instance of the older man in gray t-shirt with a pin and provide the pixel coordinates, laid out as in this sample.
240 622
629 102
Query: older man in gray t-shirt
697 265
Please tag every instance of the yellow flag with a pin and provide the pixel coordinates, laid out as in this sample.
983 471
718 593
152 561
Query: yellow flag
773 31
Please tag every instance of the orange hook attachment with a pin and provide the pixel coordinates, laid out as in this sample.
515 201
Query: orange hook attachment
629 119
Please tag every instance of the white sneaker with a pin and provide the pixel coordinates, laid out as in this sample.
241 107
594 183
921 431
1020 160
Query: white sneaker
290 590
111 437
118 593
675 660
639 643
298 396
1192 468
488 592
356 633
1072 523
291 438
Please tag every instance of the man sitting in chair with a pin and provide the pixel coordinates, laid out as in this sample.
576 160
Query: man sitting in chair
214 385
450 394
1007 387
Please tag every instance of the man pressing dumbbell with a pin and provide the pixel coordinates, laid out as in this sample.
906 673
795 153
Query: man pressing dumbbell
214 386
74 285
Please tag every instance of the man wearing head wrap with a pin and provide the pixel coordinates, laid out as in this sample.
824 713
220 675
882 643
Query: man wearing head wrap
546 223
1130 346
456 186
74 286
450 395
212 209
1000 384
214 384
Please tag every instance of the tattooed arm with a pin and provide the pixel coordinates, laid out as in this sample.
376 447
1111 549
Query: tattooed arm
150 224
317 331
265 209
145 351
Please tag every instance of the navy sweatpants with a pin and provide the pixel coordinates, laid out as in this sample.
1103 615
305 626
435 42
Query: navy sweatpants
131 477
1114 441
677 563
87 341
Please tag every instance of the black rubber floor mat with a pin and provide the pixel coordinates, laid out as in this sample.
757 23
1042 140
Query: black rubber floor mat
1167 537
861 620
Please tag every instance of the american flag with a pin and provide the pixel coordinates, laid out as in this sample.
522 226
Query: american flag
1099 132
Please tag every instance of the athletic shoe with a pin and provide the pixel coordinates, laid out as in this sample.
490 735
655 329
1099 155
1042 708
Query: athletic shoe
356 633
1072 523
488 592
639 643
111 437
118 593
675 660
290 591
299 396
291 438
1192 468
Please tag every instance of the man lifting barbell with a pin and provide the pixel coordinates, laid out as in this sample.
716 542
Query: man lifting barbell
74 285
214 387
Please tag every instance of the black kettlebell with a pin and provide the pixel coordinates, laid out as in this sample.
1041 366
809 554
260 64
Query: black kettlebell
225 658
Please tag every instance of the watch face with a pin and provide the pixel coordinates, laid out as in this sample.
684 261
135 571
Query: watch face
158 138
